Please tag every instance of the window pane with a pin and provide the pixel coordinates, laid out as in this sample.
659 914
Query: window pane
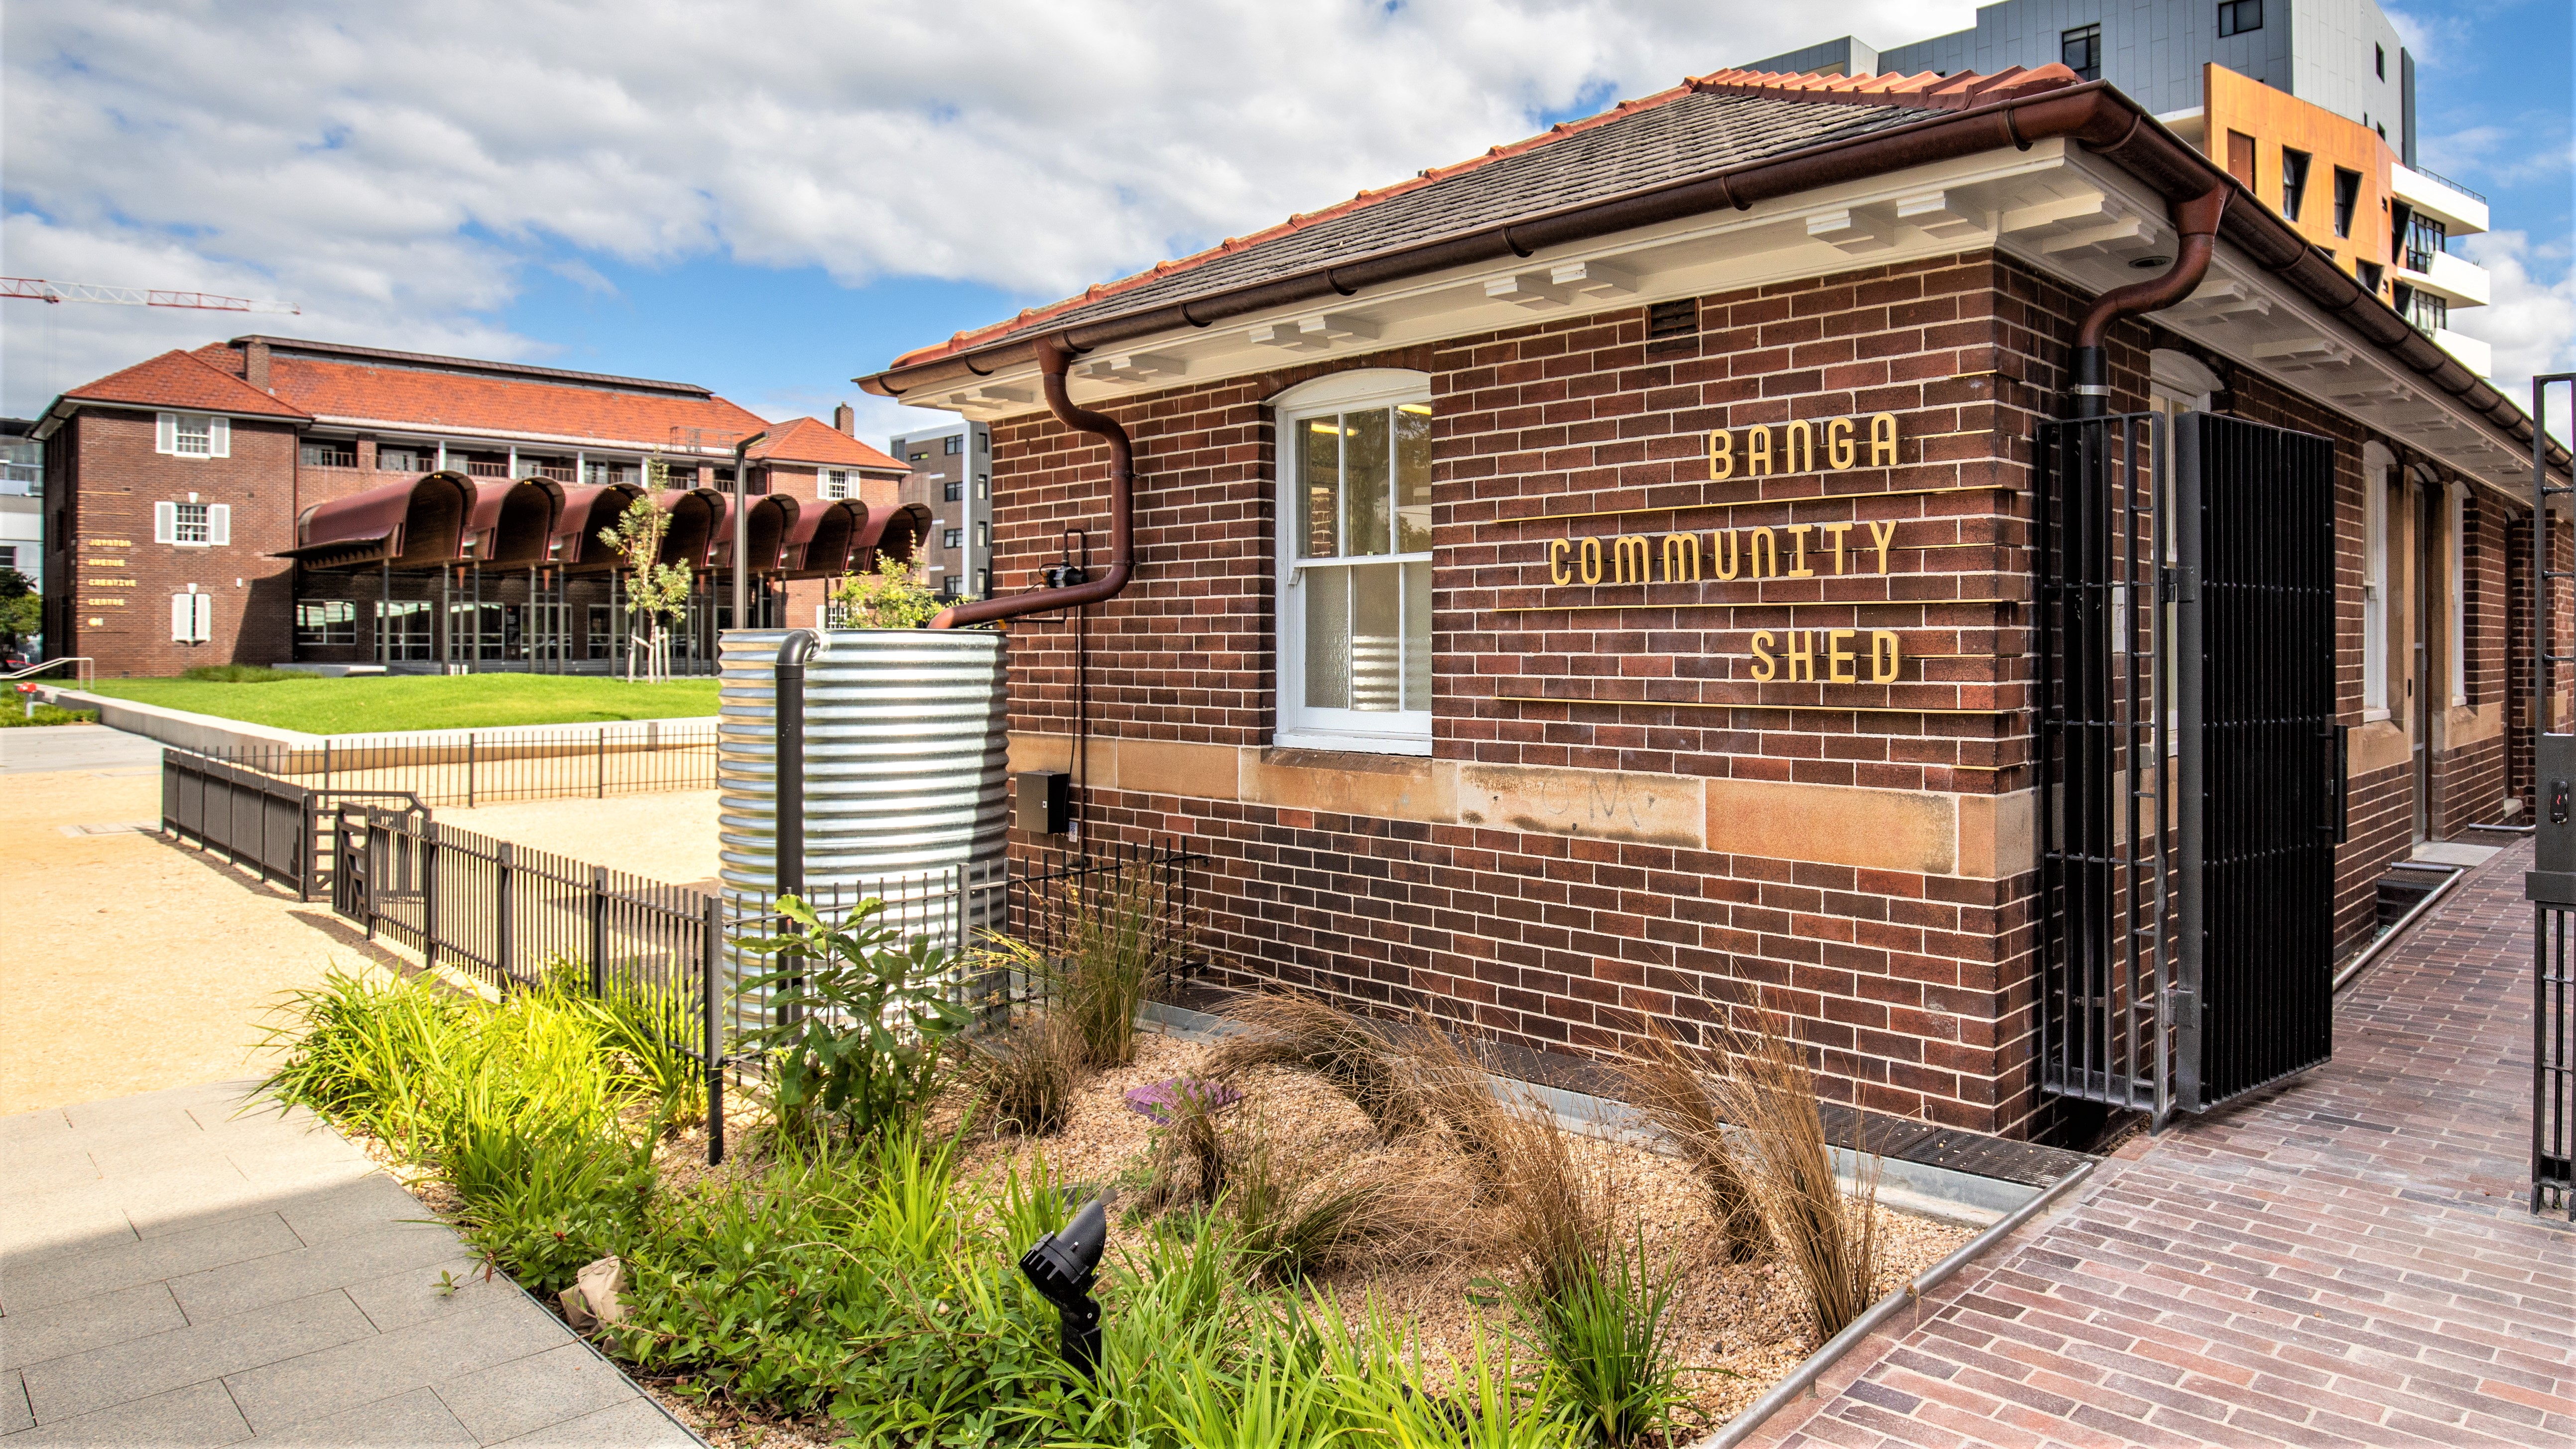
1417 636
1328 638
1377 637
1319 482
1367 522
1412 479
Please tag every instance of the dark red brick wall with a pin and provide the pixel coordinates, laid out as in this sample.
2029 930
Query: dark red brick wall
108 455
1919 987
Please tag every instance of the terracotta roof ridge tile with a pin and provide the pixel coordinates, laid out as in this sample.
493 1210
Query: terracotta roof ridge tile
1926 89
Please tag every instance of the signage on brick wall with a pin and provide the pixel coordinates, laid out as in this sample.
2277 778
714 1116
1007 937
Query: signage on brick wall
1751 553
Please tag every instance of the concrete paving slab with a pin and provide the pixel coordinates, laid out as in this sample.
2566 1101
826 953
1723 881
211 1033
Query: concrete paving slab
636 1424
87 1323
525 1395
44 1125
86 1227
101 1378
440 1291
284 1277
326 1214
198 1415
404 1421
145 1260
288 1390
75 747
14 1413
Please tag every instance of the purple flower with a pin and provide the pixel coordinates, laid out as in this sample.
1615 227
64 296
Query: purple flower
1156 1101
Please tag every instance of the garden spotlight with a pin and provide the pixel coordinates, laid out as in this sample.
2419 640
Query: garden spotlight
1062 1267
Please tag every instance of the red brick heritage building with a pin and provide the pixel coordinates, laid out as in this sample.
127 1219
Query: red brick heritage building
1642 567
266 501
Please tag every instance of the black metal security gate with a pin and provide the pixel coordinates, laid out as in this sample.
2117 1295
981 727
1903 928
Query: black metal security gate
2262 759
2551 885
2190 770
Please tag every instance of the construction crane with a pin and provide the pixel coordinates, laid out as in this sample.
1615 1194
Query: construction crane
37 289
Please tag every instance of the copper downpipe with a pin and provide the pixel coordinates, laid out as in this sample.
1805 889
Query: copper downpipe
2197 220
1053 355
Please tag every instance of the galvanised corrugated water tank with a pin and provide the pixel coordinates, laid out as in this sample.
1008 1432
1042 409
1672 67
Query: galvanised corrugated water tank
906 757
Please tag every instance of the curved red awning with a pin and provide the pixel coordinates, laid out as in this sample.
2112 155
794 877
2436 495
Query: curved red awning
694 515
514 522
819 546
409 525
773 515
897 535
588 510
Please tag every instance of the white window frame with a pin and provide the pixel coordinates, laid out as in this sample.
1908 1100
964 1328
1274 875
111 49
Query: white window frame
192 617
218 524
833 483
1390 732
2376 464
218 430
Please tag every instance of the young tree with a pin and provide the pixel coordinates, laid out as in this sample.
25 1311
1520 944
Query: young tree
22 609
655 591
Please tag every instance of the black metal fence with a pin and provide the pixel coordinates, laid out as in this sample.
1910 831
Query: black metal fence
487 767
671 956
269 825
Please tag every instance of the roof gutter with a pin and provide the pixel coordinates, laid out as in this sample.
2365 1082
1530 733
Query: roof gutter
1054 354
2091 115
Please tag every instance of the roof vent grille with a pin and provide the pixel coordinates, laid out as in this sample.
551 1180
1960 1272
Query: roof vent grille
1668 320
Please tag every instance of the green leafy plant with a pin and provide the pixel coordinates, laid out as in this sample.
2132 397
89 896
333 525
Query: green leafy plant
863 1019
1606 1326
13 714
893 597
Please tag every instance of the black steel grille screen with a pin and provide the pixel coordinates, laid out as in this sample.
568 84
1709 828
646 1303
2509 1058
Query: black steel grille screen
2269 773
2106 838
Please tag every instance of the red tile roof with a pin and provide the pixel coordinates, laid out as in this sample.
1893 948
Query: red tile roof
811 440
1927 90
184 380
458 401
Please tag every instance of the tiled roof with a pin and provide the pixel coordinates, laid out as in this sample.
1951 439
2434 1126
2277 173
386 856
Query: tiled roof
465 402
811 440
183 380
439 363
1704 125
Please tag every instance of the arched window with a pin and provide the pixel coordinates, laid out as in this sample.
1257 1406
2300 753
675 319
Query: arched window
1354 561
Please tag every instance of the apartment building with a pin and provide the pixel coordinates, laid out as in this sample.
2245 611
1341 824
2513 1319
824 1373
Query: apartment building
952 476
2310 104
22 508
275 500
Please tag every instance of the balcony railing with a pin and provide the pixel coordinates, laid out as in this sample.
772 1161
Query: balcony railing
555 472
2447 181
487 470
329 458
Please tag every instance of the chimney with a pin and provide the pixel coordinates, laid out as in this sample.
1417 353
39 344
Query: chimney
255 364
843 418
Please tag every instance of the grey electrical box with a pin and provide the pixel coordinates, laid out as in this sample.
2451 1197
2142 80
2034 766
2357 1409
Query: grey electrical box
1044 805
2552 881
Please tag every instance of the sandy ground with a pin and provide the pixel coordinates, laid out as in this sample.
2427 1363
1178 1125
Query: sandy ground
660 837
138 964
131 964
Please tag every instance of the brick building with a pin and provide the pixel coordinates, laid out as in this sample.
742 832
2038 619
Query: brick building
1646 568
268 500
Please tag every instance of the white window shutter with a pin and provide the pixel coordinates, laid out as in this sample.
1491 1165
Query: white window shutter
204 617
165 516
219 523
165 433
183 618
219 440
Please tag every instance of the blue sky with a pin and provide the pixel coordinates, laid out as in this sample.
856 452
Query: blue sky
670 191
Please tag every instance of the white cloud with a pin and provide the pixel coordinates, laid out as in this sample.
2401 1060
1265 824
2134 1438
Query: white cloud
2530 323
396 168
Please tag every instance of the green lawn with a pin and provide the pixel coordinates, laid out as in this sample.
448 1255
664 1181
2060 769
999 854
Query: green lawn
370 704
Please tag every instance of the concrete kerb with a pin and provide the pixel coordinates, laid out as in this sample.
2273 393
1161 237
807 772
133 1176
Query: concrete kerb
293 753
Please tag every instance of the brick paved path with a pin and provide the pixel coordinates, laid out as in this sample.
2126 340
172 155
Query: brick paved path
2346 1261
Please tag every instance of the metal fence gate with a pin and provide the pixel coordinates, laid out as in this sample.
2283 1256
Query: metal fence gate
2551 886
2189 769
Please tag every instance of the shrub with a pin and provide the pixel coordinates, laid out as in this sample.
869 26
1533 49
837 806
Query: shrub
862 1022
14 714
1300 1031
1449 1081
1108 948
894 597
1829 1236
1668 1081
240 674
1606 1326
1187 1162
1022 1077
1295 1218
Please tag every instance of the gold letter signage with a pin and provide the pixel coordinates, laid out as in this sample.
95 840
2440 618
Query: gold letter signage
1798 451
